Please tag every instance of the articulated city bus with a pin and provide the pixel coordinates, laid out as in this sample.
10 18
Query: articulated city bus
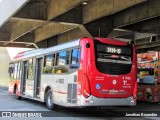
80 73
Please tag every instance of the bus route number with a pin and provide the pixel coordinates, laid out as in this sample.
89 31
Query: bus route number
113 50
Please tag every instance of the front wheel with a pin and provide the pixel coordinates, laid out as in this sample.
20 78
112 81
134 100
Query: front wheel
18 97
50 101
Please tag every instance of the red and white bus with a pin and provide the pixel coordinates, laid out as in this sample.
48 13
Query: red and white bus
83 72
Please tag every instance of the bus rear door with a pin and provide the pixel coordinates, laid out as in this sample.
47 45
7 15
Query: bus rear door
38 71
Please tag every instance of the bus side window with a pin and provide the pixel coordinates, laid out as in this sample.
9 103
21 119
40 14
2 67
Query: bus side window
62 58
49 60
19 70
61 69
75 57
62 62
30 69
11 69
49 64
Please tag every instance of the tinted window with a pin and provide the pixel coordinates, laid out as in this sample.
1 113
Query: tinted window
75 56
48 70
19 70
63 58
49 60
61 69
113 59
30 69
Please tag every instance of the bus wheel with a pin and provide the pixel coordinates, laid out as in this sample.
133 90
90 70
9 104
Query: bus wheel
18 97
50 102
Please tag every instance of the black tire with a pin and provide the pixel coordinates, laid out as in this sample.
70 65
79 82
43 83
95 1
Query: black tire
50 102
18 97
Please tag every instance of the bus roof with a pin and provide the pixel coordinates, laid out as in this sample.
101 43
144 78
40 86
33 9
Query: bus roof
38 52
26 53
69 44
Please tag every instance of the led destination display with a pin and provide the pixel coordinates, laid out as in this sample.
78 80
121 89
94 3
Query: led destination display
114 49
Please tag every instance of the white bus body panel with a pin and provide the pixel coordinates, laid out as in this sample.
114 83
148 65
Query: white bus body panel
59 86
29 89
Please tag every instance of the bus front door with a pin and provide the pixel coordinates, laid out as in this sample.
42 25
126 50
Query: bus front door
38 72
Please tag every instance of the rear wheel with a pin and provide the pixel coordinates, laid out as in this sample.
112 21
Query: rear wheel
18 97
50 101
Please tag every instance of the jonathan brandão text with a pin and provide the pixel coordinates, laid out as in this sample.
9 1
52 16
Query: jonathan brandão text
141 114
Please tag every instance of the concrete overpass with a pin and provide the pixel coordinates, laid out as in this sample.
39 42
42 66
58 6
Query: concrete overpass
44 23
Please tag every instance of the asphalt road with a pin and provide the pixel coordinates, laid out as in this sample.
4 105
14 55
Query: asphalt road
25 107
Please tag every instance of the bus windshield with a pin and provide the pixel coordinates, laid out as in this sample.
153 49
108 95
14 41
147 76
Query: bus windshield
113 59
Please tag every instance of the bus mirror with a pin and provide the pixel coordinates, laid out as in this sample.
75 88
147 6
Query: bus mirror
87 45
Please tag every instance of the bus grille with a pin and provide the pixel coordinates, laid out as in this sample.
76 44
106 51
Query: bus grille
72 93
114 68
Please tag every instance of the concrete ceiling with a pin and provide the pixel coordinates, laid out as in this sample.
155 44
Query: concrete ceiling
44 23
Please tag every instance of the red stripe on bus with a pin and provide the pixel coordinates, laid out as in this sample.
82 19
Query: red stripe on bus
60 92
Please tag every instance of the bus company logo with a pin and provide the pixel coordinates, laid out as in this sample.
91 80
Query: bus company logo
114 82
98 86
6 114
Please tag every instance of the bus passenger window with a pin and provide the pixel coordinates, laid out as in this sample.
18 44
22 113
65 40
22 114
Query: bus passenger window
30 69
62 58
49 64
48 70
62 69
19 70
11 69
52 70
59 71
49 60
75 57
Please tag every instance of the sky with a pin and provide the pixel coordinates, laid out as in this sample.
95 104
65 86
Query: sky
14 51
